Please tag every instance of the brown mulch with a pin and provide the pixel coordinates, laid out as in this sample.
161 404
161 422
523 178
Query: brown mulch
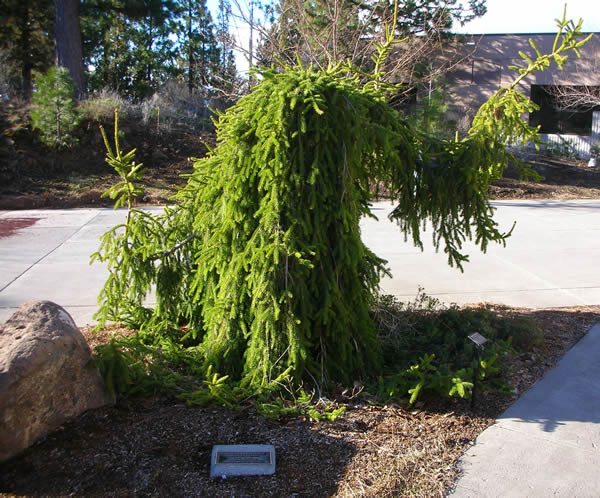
561 179
159 446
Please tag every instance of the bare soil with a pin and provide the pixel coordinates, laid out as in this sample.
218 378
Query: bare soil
562 179
158 446
34 176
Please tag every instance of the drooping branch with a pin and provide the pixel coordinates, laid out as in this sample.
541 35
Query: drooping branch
175 248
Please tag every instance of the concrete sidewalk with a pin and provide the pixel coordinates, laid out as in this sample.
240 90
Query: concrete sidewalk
49 259
548 442
550 260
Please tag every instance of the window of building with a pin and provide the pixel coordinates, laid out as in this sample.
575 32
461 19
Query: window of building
554 118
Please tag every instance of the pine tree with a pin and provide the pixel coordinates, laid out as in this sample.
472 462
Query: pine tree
26 34
323 30
54 111
129 45
226 73
430 115
199 51
106 29
152 50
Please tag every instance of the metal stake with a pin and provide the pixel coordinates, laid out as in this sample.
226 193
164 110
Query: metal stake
479 341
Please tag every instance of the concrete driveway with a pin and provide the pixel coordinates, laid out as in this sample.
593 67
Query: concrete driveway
551 259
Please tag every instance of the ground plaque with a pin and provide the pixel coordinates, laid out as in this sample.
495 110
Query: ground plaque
242 460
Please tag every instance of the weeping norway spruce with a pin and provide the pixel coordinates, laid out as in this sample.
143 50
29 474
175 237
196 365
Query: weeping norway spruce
260 267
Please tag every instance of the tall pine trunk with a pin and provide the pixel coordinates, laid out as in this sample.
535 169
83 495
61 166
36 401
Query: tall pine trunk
25 50
68 41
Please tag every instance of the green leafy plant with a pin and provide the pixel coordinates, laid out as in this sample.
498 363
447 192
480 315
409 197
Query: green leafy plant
430 115
438 336
120 247
116 367
54 113
124 192
426 377
215 389
130 367
304 405
407 331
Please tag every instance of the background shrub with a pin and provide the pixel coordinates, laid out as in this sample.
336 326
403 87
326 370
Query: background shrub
425 346
101 106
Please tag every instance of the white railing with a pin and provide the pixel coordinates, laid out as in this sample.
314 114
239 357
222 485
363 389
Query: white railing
568 145
574 145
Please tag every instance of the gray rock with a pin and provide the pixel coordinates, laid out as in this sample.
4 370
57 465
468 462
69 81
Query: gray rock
46 376
159 155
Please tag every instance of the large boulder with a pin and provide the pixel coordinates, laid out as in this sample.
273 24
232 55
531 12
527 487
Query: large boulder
46 376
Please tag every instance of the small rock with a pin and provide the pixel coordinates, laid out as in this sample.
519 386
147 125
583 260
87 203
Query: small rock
159 155
527 357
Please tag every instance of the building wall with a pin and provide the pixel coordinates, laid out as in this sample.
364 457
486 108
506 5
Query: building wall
484 69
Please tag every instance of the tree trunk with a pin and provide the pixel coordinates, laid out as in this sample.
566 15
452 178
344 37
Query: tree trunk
68 41
25 50
190 52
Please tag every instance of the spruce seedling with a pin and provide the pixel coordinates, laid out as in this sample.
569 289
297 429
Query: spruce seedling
124 192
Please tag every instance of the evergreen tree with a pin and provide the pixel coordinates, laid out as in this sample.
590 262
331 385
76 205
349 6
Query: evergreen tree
426 16
54 111
27 36
321 31
129 44
105 30
315 32
152 51
430 116
262 263
226 74
198 45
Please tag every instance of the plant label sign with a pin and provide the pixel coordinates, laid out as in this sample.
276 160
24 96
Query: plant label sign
242 460
478 339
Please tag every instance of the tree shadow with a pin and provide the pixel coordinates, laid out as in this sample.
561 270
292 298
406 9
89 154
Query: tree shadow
552 204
